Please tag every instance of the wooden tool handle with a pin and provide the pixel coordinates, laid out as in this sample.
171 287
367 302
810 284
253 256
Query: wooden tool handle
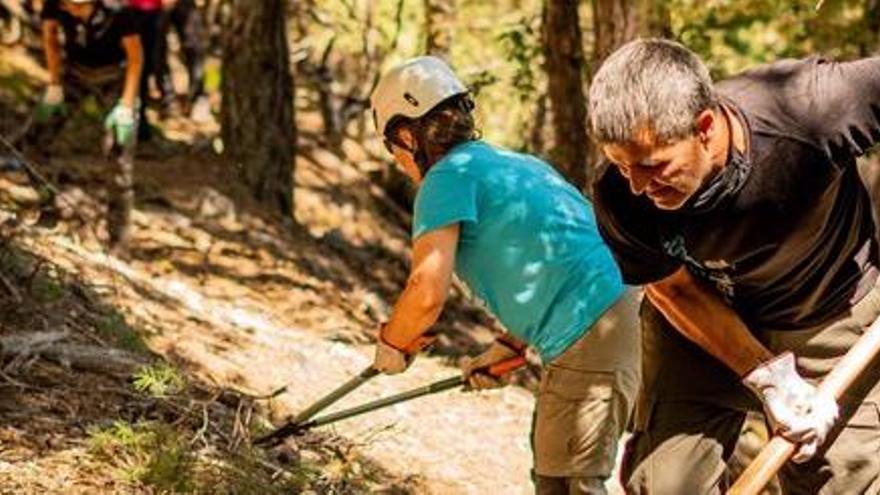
779 450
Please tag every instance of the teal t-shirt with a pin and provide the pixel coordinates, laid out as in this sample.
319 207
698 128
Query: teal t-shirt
529 247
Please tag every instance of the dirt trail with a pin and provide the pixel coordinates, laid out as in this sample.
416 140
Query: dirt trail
456 442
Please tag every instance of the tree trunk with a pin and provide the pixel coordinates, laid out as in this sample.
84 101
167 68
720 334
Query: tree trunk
439 26
564 62
536 133
872 27
327 102
257 118
616 22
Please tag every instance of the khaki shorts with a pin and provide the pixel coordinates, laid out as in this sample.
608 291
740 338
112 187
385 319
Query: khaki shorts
586 397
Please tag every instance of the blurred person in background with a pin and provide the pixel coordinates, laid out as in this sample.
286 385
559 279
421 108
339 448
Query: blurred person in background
187 21
148 16
102 57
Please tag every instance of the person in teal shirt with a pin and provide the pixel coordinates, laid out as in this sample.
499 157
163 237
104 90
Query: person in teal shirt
526 244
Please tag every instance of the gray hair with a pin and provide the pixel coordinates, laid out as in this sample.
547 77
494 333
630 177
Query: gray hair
649 83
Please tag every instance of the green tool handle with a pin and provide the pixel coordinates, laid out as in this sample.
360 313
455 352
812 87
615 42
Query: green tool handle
433 388
334 396
352 384
496 370
294 427
293 424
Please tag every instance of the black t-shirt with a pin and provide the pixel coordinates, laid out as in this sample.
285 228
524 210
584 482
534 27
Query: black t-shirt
785 231
96 42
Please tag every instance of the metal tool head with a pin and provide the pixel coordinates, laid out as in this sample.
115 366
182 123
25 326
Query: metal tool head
294 425
276 437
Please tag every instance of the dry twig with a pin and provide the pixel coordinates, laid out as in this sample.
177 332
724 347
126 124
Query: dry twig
17 383
16 295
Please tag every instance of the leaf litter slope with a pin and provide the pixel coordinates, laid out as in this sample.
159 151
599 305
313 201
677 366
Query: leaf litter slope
247 303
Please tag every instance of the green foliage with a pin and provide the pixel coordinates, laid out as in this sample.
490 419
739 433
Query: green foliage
44 282
503 39
114 327
161 459
244 471
213 77
159 380
16 88
476 82
92 108
522 44
484 51
46 289
146 452
13 263
732 36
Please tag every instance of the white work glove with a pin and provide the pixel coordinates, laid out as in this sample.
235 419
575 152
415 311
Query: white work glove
389 359
54 95
794 407
496 353
121 123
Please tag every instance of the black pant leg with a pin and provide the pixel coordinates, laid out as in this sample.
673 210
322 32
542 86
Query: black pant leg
189 25
148 29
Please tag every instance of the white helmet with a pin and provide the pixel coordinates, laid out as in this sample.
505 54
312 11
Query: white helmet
412 89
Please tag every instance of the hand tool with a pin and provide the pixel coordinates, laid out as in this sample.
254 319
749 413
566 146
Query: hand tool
294 427
771 458
344 389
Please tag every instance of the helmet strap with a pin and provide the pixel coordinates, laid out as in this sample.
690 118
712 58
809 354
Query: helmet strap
418 151
420 157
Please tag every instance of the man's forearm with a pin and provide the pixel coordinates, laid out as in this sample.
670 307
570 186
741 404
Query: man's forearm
52 49
134 65
701 315
132 84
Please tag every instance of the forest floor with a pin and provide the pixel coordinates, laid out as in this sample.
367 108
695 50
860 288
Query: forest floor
240 304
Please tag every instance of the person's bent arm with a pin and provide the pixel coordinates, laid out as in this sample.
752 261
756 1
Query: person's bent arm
134 64
700 314
427 287
793 406
52 48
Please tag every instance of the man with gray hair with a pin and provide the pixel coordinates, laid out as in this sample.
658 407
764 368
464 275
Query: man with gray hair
739 208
